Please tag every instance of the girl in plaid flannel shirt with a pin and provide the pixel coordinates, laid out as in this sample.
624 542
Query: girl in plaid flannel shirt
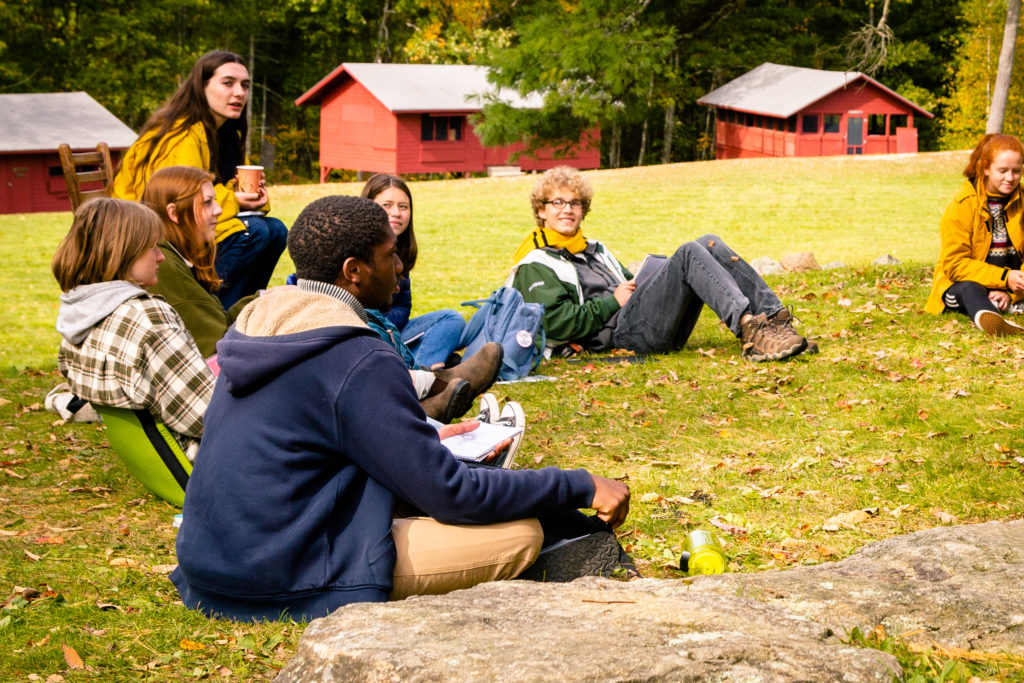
122 347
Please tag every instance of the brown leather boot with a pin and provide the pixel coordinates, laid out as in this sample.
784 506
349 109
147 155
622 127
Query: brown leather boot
451 402
481 369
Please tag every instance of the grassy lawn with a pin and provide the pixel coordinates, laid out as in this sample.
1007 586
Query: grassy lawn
903 422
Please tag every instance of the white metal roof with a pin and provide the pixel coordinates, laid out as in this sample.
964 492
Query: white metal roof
41 121
423 87
779 90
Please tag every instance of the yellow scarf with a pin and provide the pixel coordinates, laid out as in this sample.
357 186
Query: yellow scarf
546 237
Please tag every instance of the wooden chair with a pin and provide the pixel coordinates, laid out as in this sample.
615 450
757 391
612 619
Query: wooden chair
86 174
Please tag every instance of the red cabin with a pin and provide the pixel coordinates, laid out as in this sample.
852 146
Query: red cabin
32 127
787 111
412 118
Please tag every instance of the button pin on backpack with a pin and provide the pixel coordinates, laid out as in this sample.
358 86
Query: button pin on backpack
524 338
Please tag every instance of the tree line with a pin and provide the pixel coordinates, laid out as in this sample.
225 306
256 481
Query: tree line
633 67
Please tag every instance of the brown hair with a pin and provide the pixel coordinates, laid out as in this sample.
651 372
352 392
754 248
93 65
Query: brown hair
106 238
182 186
554 178
406 244
187 107
987 149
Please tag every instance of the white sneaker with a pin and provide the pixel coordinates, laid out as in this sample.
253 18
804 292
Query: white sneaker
512 415
489 409
58 401
996 325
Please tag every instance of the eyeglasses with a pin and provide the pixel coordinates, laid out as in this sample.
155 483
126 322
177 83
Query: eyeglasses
561 203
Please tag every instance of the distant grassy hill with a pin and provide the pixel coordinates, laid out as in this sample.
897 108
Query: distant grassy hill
851 209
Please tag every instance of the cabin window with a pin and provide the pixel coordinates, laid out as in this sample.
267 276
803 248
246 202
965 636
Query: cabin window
809 123
876 124
441 128
750 119
780 124
832 123
791 124
897 121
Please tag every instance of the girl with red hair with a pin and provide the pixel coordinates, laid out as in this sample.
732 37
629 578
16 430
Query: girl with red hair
979 269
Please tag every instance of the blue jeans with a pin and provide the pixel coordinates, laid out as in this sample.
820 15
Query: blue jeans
246 260
441 336
661 313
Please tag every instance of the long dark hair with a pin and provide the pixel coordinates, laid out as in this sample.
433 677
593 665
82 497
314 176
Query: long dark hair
406 245
187 107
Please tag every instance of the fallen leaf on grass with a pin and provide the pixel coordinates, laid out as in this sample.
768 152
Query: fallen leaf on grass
224 672
97 632
651 497
13 474
848 519
32 556
122 562
187 644
943 516
896 512
727 528
1002 449
72 658
162 568
27 594
108 606
51 540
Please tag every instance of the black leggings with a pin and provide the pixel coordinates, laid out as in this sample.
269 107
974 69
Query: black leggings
968 298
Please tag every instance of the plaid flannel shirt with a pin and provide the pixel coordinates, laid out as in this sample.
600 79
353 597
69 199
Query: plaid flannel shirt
142 357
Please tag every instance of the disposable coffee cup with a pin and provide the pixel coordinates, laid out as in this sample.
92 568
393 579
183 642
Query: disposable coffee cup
249 178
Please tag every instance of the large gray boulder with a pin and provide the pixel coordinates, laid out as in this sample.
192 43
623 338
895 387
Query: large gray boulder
953 586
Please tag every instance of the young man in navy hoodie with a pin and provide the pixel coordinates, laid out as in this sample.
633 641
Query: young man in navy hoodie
315 438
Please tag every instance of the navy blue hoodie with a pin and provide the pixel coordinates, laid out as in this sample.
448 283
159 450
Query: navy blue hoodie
309 439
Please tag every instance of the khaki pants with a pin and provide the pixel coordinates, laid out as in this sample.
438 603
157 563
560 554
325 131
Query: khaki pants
435 558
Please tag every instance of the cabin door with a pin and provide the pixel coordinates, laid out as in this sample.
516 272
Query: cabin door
855 135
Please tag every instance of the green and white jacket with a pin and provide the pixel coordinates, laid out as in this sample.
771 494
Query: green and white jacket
549 276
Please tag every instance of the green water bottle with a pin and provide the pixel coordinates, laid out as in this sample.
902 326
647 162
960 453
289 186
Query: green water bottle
702 554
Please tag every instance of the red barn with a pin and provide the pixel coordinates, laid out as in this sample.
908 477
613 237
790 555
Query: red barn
412 118
31 128
786 111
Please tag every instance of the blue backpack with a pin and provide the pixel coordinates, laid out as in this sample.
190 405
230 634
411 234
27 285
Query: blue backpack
505 318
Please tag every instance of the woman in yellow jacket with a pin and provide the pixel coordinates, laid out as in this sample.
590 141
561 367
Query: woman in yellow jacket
979 269
203 125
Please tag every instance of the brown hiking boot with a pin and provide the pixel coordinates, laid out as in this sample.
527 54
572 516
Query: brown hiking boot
762 342
451 402
782 324
480 370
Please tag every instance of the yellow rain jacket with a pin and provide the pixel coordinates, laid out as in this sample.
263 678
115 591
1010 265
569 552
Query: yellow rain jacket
188 147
